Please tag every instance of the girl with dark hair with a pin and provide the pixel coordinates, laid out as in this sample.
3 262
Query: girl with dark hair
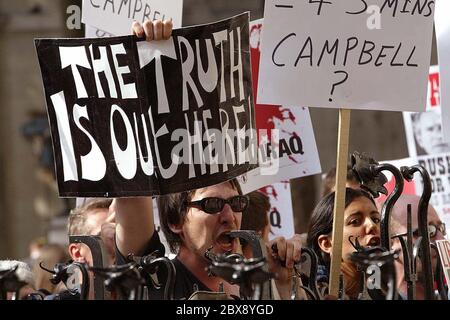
361 221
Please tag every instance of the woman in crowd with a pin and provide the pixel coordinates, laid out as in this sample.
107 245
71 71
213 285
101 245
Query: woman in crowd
361 221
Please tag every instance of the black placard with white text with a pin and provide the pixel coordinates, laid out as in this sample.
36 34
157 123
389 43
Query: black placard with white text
130 117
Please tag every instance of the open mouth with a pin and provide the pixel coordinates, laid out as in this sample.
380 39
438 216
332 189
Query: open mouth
374 242
224 241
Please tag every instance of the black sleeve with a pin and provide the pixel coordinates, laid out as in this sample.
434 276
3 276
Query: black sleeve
154 244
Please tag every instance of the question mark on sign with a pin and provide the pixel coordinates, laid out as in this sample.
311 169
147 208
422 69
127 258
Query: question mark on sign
338 83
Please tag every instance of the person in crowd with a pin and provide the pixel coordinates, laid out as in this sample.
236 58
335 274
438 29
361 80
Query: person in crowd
256 216
95 217
329 182
398 226
194 222
361 221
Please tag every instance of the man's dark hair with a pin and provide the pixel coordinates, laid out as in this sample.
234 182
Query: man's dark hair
172 211
330 180
321 222
255 217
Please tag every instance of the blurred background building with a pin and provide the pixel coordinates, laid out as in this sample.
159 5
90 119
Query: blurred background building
29 205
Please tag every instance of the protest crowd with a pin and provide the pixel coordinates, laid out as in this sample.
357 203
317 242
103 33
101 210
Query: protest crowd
178 147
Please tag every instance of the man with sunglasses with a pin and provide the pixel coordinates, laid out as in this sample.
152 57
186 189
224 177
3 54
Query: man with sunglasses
194 222
398 224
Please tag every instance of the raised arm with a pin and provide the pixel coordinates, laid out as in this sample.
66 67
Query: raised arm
134 216
134 224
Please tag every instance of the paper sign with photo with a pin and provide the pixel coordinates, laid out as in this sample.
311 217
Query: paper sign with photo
427 147
424 129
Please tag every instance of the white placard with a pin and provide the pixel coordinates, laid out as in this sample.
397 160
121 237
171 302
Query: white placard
116 16
281 215
287 146
371 54
442 27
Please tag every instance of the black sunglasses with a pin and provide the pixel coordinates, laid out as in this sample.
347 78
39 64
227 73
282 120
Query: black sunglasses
432 230
214 205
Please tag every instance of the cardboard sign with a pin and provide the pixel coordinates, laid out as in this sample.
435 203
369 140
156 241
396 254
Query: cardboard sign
369 54
442 27
116 16
444 253
130 118
287 146
281 215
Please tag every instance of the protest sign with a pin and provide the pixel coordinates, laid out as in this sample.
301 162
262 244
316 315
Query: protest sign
444 254
286 130
93 32
424 130
440 196
427 147
281 215
438 167
442 27
130 118
369 54
116 16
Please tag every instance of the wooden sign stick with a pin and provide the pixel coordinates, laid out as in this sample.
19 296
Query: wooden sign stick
339 199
